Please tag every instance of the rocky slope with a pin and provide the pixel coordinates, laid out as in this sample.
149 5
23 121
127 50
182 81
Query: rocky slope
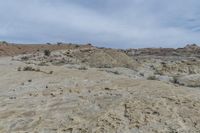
152 64
86 89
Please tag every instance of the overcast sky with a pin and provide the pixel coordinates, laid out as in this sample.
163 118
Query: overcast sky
109 23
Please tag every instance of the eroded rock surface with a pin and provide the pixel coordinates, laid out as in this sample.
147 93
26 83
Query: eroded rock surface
92 100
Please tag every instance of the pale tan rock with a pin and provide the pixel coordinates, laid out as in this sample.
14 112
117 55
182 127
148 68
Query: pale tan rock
92 101
189 80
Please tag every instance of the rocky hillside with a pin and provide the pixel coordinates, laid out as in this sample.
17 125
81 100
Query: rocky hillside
69 88
8 49
149 64
188 50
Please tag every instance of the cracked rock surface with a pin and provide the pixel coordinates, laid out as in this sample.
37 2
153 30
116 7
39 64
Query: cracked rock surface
74 100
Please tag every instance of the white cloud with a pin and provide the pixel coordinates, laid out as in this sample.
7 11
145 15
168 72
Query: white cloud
141 23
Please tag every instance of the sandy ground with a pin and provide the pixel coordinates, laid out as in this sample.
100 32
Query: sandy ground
92 101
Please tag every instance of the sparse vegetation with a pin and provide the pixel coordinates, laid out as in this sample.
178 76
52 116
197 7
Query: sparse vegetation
141 74
104 66
82 68
89 44
116 72
119 93
107 88
47 52
29 68
77 46
59 43
24 58
19 69
152 78
113 71
158 72
4 42
59 62
42 64
51 72
175 80
194 86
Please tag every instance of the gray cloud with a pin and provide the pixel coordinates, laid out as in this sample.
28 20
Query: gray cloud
110 23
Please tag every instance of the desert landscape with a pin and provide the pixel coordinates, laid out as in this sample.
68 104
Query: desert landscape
71 88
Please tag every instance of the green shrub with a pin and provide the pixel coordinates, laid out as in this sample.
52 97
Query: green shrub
82 68
24 58
175 80
151 78
19 69
3 42
29 68
47 52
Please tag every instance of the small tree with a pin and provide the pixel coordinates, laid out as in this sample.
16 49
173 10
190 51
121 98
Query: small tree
4 42
47 52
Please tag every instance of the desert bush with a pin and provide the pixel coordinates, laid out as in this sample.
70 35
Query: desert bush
175 80
29 68
3 42
193 85
42 64
19 69
47 52
158 72
116 72
59 43
59 62
77 46
37 70
89 44
51 72
113 72
151 78
82 68
24 58
104 66
107 88
141 74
